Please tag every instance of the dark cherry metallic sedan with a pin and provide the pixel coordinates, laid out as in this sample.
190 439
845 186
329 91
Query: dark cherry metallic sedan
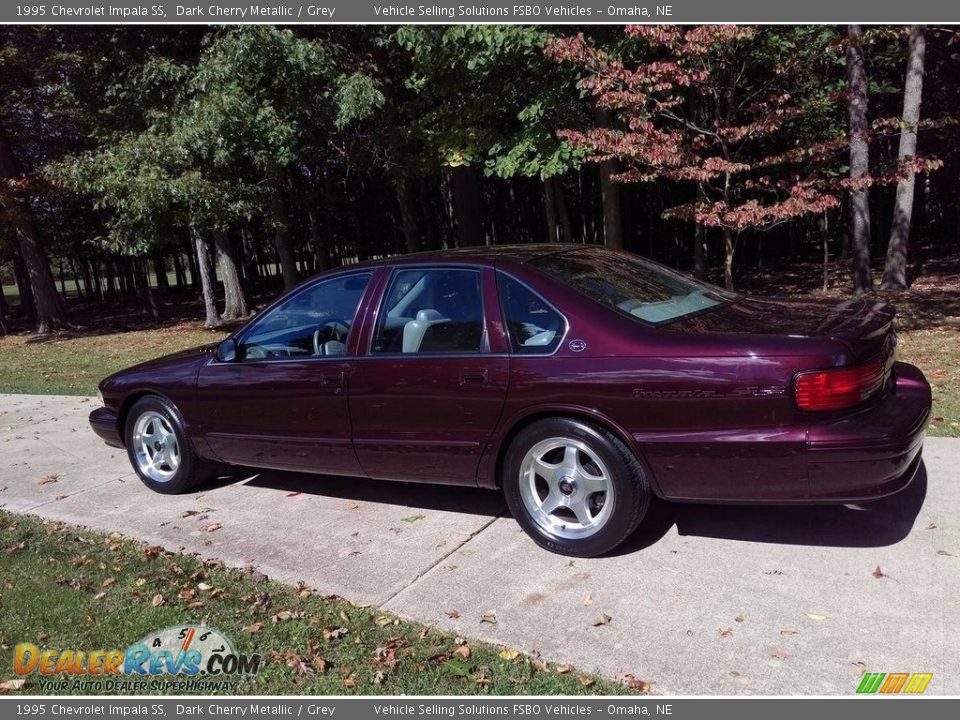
579 380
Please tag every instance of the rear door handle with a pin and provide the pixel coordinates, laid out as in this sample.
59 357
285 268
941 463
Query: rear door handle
332 378
473 377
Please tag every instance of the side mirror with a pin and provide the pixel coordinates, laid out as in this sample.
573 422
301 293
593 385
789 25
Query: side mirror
226 351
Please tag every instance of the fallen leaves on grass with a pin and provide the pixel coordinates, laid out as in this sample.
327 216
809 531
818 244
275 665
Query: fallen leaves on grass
285 615
564 669
253 629
334 634
586 680
108 582
464 652
509 655
158 600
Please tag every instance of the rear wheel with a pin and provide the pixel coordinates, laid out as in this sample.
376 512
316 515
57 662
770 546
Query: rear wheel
159 450
575 488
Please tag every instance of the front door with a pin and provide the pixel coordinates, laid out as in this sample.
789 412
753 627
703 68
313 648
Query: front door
282 403
427 396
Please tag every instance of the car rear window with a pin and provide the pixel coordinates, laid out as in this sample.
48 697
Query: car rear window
639 288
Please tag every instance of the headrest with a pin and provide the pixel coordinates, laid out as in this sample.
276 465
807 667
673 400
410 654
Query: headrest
428 315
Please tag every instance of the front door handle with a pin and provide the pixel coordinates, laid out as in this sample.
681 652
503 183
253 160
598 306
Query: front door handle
473 377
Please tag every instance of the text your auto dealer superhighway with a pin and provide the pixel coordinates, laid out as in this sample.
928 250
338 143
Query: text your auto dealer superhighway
244 12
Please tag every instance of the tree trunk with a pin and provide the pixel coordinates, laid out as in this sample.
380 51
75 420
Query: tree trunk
288 259
728 249
178 273
3 311
235 301
142 275
28 308
465 187
160 269
610 191
700 252
406 191
98 289
567 234
319 241
49 310
206 281
550 210
859 161
895 267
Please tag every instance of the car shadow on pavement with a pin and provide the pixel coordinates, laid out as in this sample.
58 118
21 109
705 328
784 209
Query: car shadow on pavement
468 500
882 522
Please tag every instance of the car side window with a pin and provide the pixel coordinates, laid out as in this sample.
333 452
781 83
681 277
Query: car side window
431 310
534 326
314 322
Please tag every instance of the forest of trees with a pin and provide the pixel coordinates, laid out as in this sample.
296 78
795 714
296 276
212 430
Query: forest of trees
229 162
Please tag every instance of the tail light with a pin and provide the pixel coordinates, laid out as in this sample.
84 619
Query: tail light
839 389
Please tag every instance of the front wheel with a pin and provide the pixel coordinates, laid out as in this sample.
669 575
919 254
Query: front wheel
159 450
576 489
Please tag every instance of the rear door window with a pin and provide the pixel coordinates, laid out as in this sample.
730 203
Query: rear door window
431 310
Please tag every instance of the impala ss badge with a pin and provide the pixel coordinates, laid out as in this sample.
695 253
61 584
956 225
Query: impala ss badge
577 345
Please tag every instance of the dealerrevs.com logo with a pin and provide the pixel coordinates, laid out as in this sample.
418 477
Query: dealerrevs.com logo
190 658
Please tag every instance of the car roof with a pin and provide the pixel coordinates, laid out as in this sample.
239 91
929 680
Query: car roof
483 254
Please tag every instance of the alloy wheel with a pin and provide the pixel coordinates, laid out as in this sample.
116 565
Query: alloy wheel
156 448
566 488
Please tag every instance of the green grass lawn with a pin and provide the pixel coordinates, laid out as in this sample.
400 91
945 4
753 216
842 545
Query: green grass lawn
68 588
74 363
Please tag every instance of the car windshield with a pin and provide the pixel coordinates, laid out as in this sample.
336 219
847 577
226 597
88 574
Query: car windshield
631 285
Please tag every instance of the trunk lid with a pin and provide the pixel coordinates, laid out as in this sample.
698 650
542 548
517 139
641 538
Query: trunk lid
855 321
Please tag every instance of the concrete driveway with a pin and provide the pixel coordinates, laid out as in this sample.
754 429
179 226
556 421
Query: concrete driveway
702 600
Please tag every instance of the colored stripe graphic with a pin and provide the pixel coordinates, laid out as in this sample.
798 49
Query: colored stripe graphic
918 682
894 683
870 682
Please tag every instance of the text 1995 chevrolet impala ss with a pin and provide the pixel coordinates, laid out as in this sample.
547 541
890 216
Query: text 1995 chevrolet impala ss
580 381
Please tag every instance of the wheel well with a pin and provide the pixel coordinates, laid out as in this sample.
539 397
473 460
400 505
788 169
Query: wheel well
125 406
572 415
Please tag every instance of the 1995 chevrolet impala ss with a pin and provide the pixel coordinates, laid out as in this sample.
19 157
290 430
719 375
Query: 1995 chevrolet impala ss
580 381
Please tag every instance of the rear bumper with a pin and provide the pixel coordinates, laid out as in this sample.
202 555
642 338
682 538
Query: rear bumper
104 423
874 452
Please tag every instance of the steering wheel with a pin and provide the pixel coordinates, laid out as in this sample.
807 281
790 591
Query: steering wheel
341 328
340 331
257 352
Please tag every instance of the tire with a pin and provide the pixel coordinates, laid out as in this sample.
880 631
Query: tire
155 427
603 490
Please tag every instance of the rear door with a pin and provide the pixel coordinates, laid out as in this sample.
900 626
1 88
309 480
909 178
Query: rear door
428 391
283 402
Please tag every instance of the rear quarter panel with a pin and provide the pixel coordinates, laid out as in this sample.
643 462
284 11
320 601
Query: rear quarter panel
710 415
